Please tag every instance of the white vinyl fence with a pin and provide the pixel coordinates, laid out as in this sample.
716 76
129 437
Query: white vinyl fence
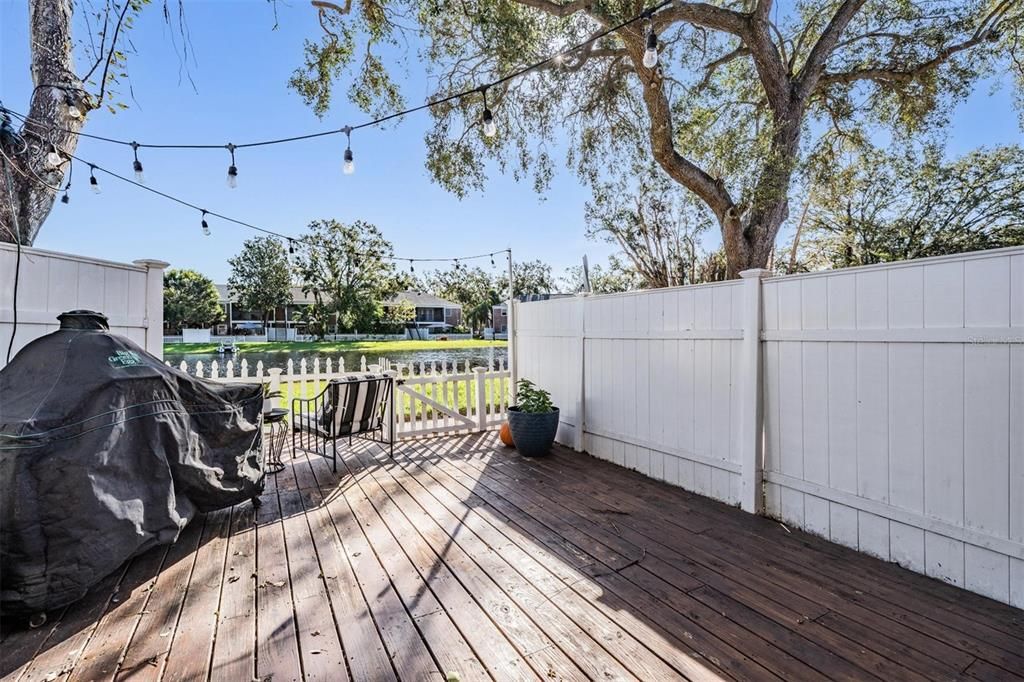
430 398
49 283
881 407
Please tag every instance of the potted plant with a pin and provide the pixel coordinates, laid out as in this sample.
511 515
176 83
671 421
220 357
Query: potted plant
533 420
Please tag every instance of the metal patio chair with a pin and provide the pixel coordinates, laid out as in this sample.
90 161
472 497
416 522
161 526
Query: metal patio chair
352 406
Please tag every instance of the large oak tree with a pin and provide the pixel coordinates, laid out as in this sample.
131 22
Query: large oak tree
71 77
744 92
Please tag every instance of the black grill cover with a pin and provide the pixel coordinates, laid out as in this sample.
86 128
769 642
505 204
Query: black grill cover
106 452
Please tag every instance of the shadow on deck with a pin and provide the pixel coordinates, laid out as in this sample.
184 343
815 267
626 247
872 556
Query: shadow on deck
460 556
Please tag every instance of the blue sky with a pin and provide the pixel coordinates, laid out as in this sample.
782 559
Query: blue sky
241 75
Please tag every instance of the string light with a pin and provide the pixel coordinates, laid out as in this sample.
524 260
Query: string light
350 165
557 58
137 165
651 53
412 268
291 247
490 129
94 184
65 199
492 260
232 179
71 109
53 157
205 225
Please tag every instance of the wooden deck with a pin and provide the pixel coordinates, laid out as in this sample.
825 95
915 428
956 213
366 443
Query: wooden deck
461 557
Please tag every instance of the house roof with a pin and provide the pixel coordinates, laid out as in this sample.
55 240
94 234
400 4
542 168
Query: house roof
417 298
297 295
421 299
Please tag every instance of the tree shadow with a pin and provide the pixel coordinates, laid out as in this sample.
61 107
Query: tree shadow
649 579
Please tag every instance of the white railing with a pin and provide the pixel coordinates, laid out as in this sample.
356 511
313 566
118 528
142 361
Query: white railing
430 397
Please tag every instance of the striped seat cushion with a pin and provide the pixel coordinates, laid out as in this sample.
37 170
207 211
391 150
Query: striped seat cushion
354 404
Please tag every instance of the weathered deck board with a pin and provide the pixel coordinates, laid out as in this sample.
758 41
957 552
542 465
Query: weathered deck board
459 556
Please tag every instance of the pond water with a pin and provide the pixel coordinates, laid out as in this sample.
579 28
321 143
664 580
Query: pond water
477 357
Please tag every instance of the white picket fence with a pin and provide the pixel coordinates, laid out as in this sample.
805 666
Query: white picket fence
430 397
435 400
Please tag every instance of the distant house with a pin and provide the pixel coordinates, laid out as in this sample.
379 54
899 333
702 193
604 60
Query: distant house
238 320
499 313
431 311
499 318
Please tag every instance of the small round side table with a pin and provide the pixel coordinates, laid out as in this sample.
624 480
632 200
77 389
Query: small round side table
276 420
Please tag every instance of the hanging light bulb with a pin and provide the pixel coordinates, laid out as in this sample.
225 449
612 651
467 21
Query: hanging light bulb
490 129
65 199
350 165
94 184
53 157
412 268
205 225
71 109
291 246
232 179
137 165
492 260
651 53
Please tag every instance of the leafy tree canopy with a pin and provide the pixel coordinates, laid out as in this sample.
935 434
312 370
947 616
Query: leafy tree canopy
473 288
260 276
528 277
612 279
347 270
395 317
886 207
745 93
190 300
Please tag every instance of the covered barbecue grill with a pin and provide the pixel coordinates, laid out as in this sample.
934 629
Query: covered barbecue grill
105 452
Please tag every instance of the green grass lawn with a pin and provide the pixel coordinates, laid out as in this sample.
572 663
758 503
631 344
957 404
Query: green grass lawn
405 406
335 346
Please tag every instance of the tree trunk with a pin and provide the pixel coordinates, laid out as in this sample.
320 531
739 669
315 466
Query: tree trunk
30 186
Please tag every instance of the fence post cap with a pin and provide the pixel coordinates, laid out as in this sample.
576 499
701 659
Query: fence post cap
479 370
755 273
151 263
274 371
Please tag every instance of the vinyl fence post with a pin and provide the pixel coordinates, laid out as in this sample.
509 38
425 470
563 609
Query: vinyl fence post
154 305
480 387
581 399
751 454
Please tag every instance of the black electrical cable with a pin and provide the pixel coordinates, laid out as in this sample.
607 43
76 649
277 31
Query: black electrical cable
16 232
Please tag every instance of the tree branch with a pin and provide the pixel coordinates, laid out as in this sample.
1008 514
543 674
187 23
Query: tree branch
710 69
813 68
702 14
557 9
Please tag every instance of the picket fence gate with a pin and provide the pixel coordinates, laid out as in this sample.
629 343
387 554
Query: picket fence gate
430 397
